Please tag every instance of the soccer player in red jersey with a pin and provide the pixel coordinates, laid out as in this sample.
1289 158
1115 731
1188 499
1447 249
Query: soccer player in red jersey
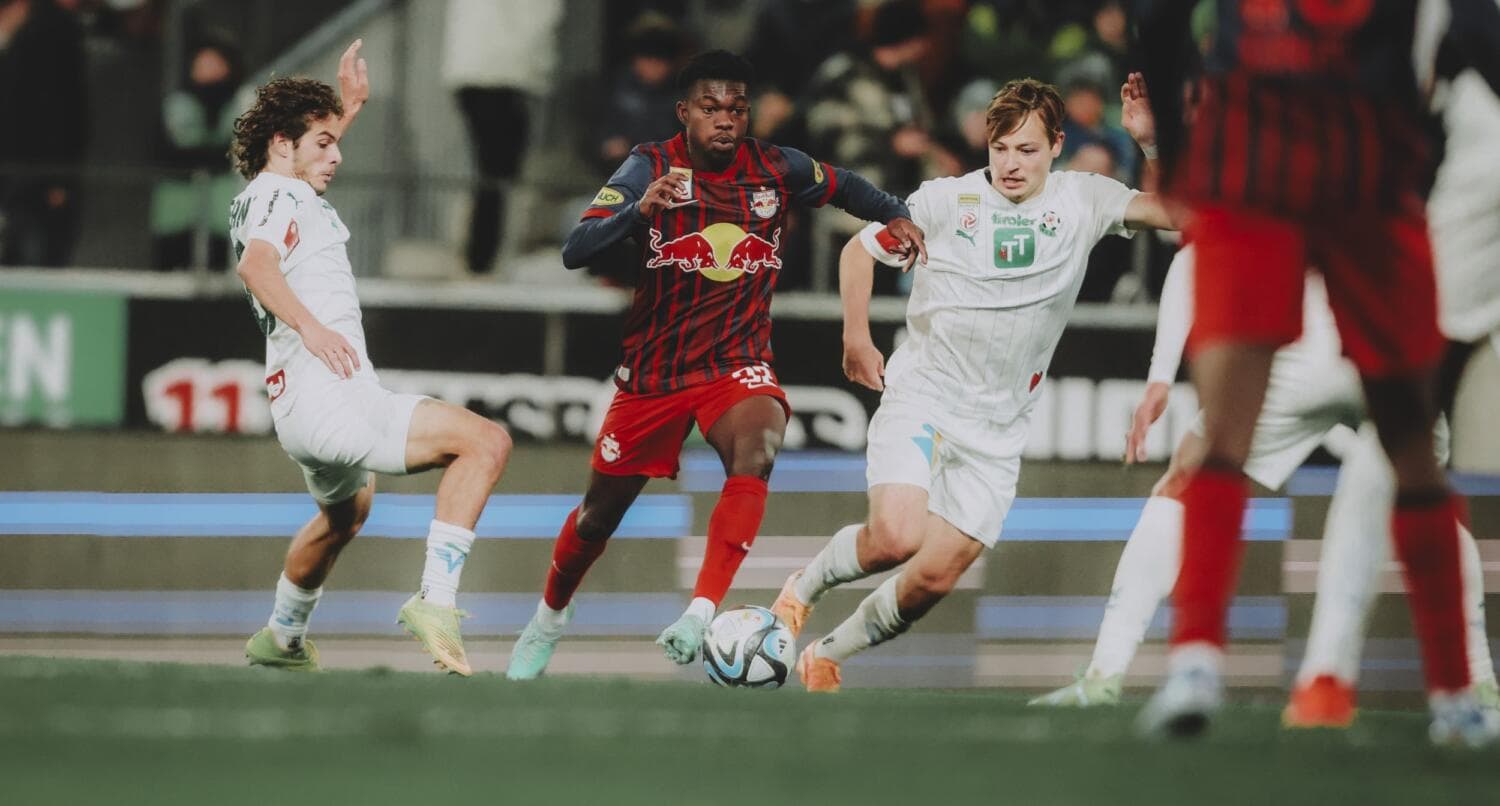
1307 149
707 210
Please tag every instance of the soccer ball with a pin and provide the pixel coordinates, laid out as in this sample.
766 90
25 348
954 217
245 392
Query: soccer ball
747 648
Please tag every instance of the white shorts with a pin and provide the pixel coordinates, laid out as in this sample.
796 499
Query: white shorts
969 469
1311 392
1463 214
341 431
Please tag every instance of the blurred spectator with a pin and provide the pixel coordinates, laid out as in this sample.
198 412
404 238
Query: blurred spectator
1105 42
970 139
197 127
791 38
641 106
1084 125
1006 39
43 125
866 109
497 56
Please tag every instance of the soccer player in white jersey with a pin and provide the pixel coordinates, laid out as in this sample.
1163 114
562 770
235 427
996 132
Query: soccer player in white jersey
1464 218
1007 247
1314 392
331 414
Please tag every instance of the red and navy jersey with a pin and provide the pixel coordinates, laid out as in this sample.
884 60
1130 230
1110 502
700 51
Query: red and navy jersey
1307 106
702 305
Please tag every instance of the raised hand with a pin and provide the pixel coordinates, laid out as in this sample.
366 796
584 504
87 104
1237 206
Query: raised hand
354 79
1135 110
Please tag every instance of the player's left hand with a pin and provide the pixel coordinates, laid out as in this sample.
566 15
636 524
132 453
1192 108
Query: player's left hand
1151 407
863 363
1135 110
912 240
354 79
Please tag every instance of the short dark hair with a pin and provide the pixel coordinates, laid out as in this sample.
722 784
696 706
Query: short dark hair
715 64
286 106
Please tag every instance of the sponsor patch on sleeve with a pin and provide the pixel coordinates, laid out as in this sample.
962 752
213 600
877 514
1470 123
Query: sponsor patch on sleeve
292 238
607 197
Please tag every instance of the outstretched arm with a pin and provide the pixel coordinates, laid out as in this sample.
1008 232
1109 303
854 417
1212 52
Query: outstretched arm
1146 210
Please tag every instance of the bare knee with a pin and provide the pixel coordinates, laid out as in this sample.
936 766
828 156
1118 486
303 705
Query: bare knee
1172 483
929 584
491 449
595 523
756 456
894 538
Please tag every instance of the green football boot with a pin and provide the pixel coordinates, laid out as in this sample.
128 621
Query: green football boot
261 650
681 639
533 650
436 627
1084 692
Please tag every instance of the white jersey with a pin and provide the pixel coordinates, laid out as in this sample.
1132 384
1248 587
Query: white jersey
309 238
1000 282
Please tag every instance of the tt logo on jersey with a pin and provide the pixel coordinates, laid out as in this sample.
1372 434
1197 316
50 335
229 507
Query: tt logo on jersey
721 252
1015 247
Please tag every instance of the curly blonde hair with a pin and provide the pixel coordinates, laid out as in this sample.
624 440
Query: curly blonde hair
286 106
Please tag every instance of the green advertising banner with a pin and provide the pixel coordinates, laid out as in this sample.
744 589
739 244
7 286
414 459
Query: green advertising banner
62 358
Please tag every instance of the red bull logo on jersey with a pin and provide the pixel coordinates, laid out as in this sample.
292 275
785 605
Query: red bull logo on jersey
721 252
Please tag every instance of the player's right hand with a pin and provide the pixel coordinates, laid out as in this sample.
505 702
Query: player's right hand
662 193
332 349
864 364
1150 409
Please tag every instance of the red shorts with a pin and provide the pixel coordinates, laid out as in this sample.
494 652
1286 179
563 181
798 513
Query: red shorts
642 434
1248 280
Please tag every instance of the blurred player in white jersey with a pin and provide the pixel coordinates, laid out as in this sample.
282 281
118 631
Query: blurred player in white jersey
1464 217
1314 393
1006 251
331 414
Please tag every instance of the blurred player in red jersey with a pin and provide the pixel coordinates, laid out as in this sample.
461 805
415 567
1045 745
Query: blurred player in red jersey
707 210
1308 148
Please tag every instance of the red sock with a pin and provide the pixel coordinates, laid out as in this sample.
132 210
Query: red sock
1427 543
571 558
1213 510
731 530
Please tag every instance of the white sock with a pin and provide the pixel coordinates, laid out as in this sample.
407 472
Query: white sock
1147 571
293 608
1481 667
1357 544
552 620
447 549
1195 655
702 608
836 564
875 621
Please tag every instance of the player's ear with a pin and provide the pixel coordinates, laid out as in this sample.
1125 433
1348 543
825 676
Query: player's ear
1057 145
682 113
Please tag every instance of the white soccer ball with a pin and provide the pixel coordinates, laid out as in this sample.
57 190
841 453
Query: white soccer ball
748 648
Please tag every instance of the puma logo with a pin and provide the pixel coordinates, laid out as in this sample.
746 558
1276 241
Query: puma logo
968 236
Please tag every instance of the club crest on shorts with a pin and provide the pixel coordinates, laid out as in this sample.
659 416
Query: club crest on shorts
609 448
276 384
765 202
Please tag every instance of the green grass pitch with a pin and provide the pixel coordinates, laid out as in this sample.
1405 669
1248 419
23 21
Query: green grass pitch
79 732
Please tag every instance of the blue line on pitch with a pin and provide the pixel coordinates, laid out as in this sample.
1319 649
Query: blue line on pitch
1318 481
1078 617
339 612
280 515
